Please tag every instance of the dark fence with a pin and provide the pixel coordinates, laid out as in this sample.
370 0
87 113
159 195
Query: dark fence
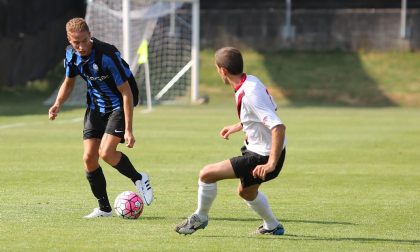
32 37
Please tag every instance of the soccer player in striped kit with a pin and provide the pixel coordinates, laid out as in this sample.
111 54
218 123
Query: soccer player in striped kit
111 96
263 152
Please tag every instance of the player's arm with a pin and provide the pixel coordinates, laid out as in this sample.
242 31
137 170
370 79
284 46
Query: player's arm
63 94
227 130
127 97
277 140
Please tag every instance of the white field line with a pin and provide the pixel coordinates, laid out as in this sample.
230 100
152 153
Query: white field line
20 125
13 125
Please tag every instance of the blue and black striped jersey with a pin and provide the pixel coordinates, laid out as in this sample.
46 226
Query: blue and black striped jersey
103 70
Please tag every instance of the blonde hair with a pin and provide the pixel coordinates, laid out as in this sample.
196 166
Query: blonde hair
77 25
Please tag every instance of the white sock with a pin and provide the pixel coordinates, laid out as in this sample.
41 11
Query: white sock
206 195
261 207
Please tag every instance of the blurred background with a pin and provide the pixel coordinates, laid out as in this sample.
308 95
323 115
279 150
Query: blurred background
360 52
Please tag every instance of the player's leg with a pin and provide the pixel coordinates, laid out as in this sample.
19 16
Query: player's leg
249 185
218 171
207 190
257 201
90 154
108 149
96 178
93 130
108 152
207 187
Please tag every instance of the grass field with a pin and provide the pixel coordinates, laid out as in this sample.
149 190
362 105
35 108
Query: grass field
350 180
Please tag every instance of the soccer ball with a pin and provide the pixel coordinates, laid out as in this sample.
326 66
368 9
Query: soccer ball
128 205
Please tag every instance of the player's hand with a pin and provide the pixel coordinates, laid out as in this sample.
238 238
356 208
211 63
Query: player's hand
53 111
225 132
129 139
261 171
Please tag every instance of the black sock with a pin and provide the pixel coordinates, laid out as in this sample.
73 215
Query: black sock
98 186
126 168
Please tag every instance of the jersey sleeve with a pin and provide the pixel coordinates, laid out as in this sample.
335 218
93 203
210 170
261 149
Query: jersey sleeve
120 73
264 108
70 69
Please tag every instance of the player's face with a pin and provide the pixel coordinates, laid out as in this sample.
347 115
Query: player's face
81 42
222 75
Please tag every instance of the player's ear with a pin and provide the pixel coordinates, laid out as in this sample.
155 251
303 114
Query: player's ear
219 69
224 71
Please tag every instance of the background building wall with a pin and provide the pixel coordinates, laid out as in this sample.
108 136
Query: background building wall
314 29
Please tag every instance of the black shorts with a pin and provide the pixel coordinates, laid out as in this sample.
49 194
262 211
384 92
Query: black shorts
245 164
97 123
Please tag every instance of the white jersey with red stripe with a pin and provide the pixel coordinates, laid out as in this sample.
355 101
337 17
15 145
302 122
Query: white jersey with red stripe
257 112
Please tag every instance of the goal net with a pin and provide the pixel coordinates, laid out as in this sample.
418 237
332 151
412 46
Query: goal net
159 40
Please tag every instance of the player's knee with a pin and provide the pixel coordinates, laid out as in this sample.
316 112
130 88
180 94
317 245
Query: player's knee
90 161
247 194
89 158
105 155
205 174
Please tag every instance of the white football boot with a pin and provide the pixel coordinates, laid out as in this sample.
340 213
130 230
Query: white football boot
144 188
98 213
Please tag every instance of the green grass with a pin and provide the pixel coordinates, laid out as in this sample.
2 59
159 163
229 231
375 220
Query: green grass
350 182
333 78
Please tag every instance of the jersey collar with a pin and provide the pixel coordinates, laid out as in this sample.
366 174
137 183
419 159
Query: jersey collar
239 85
84 60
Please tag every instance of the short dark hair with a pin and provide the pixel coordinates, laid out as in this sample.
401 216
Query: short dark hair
231 59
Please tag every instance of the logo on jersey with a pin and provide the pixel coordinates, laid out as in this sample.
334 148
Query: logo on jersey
95 67
99 78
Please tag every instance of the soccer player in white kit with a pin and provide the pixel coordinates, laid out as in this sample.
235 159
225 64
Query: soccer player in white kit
263 152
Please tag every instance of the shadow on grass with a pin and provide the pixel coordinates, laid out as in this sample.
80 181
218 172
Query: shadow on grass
288 236
355 239
31 109
319 222
285 220
23 102
153 218
293 237
26 104
28 99
324 78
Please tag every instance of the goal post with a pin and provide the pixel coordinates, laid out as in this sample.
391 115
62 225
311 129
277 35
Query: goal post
142 20
195 51
192 65
160 41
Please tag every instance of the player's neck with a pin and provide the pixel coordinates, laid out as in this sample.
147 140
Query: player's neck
235 81
90 49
